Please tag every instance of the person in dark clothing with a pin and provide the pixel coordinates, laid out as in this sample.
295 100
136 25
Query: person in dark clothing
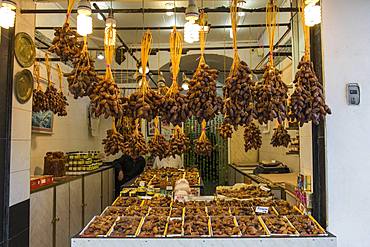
126 169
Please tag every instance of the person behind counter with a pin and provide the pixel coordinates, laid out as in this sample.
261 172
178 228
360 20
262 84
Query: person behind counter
127 168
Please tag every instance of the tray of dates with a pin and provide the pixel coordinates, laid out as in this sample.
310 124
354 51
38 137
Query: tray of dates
250 226
284 208
218 211
196 226
153 226
99 226
241 211
126 201
176 213
113 211
174 228
278 226
126 227
224 226
195 211
159 201
230 203
159 211
136 211
306 225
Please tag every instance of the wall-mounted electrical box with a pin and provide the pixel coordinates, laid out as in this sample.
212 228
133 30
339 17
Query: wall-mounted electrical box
353 93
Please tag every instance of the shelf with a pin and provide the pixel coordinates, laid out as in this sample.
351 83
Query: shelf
292 153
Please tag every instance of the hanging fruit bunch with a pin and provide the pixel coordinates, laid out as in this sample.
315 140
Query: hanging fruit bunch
174 105
307 100
125 126
82 78
203 100
226 130
252 137
136 145
179 142
271 92
145 102
280 137
114 142
51 92
239 87
62 99
39 100
158 145
203 146
65 43
105 97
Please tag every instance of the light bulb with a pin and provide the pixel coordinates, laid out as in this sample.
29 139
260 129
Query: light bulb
146 70
231 34
7 14
185 86
84 24
100 56
110 31
241 13
191 32
242 4
169 7
312 15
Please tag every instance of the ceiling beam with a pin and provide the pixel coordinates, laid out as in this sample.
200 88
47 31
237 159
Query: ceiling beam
170 27
185 50
180 10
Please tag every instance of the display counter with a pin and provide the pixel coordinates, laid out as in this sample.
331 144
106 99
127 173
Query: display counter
328 241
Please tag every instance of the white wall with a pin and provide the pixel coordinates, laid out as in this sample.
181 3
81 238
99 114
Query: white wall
346 39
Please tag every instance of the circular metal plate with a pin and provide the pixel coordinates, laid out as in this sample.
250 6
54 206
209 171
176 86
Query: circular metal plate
23 86
25 51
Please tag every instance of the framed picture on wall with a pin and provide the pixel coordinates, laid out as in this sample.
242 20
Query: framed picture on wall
42 122
150 128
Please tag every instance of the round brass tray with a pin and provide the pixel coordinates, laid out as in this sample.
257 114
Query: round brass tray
23 86
25 51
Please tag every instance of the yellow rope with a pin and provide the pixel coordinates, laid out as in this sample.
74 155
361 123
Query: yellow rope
60 75
202 37
175 53
271 12
146 44
114 125
36 72
48 69
109 52
156 125
306 32
69 9
203 135
233 12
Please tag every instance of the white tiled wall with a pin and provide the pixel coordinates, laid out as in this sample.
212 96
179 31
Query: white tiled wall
21 124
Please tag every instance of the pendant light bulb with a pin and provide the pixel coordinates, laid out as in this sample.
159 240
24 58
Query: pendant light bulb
84 19
185 82
191 32
312 15
192 13
7 13
169 7
241 4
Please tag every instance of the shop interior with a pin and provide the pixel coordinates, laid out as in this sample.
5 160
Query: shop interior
242 161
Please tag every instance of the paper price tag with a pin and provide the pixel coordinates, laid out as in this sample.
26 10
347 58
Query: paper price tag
262 210
169 188
264 188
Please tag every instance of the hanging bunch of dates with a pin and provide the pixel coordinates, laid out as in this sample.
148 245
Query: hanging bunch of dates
174 107
271 97
252 137
159 146
203 100
136 145
226 130
114 142
82 78
65 43
52 96
203 147
307 100
39 100
62 104
179 142
143 104
280 137
239 96
105 99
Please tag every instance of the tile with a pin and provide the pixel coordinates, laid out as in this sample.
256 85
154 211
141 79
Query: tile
20 240
19 187
19 218
20 155
21 124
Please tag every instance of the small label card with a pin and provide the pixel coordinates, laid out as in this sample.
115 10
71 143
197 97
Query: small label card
262 210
